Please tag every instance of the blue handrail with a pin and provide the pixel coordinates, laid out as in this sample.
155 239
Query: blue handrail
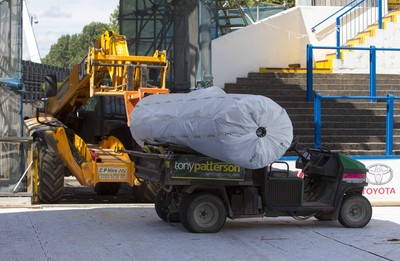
332 15
348 16
389 117
372 68
338 30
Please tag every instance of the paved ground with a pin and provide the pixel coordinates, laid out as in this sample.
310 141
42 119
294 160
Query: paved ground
87 227
134 232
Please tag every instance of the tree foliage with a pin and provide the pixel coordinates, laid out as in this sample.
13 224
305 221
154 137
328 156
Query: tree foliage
71 49
114 26
289 3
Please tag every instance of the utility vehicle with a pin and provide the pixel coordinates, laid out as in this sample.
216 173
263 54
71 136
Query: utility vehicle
201 192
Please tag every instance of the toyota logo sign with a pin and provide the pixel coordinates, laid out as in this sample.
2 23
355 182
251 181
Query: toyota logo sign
379 174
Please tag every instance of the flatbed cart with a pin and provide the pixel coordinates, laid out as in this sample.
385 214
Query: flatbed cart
201 192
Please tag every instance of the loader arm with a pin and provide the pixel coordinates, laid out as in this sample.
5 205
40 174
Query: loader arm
108 69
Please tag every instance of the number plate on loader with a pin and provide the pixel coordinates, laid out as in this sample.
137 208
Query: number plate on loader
113 172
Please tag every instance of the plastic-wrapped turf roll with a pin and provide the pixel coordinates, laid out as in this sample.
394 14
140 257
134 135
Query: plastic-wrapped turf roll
251 131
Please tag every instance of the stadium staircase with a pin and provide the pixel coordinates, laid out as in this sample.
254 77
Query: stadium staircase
354 127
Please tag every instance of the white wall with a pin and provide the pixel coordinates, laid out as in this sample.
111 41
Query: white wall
277 41
387 62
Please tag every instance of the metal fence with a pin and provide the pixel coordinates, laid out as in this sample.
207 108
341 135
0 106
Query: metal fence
389 116
33 78
16 166
354 17
372 66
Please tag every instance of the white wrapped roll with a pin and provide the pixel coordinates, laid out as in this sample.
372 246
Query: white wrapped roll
251 131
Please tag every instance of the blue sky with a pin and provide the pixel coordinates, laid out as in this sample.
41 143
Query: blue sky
59 17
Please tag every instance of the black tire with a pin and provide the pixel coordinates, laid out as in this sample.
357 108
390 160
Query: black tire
51 175
107 188
203 213
355 212
161 206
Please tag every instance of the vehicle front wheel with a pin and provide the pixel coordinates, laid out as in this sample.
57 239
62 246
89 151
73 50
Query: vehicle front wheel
51 174
203 213
356 211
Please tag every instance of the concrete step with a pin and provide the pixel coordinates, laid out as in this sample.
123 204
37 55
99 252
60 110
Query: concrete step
259 75
345 119
294 90
343 131
298 96
339 111
343 137
344 124
303 81
339 104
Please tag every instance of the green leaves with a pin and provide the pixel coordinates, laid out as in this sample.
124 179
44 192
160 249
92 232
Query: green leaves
71 49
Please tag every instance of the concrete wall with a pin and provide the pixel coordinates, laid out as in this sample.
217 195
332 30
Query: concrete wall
277 41
387 62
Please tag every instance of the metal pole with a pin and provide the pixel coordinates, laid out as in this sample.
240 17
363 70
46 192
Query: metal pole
389 124
338 38
309 53
380 14
372 72
317 120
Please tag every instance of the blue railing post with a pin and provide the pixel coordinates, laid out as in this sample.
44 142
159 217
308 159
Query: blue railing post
317 120
338 37
372 72
380 5
309 53
389 124
332 15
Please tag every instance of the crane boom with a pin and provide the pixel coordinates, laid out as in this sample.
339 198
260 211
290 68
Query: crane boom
108 69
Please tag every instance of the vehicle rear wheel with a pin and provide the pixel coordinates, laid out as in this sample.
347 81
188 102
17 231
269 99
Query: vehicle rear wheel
355 212
203 213
51 175
161 204
107 188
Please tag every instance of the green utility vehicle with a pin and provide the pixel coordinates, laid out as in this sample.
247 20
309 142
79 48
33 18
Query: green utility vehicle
201 192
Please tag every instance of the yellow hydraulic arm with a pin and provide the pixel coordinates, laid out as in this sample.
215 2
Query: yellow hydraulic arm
108 69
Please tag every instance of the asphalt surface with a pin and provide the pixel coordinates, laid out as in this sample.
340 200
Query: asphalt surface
84 227
134 232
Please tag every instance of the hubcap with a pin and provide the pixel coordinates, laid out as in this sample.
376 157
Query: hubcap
356 212
206 214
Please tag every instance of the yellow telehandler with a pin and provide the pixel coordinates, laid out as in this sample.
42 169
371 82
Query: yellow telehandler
85 120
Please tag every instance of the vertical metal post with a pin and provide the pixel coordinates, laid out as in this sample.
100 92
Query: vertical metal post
35 175
204 70
380 26
317 120
389 124
309 53
338 38
372 72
